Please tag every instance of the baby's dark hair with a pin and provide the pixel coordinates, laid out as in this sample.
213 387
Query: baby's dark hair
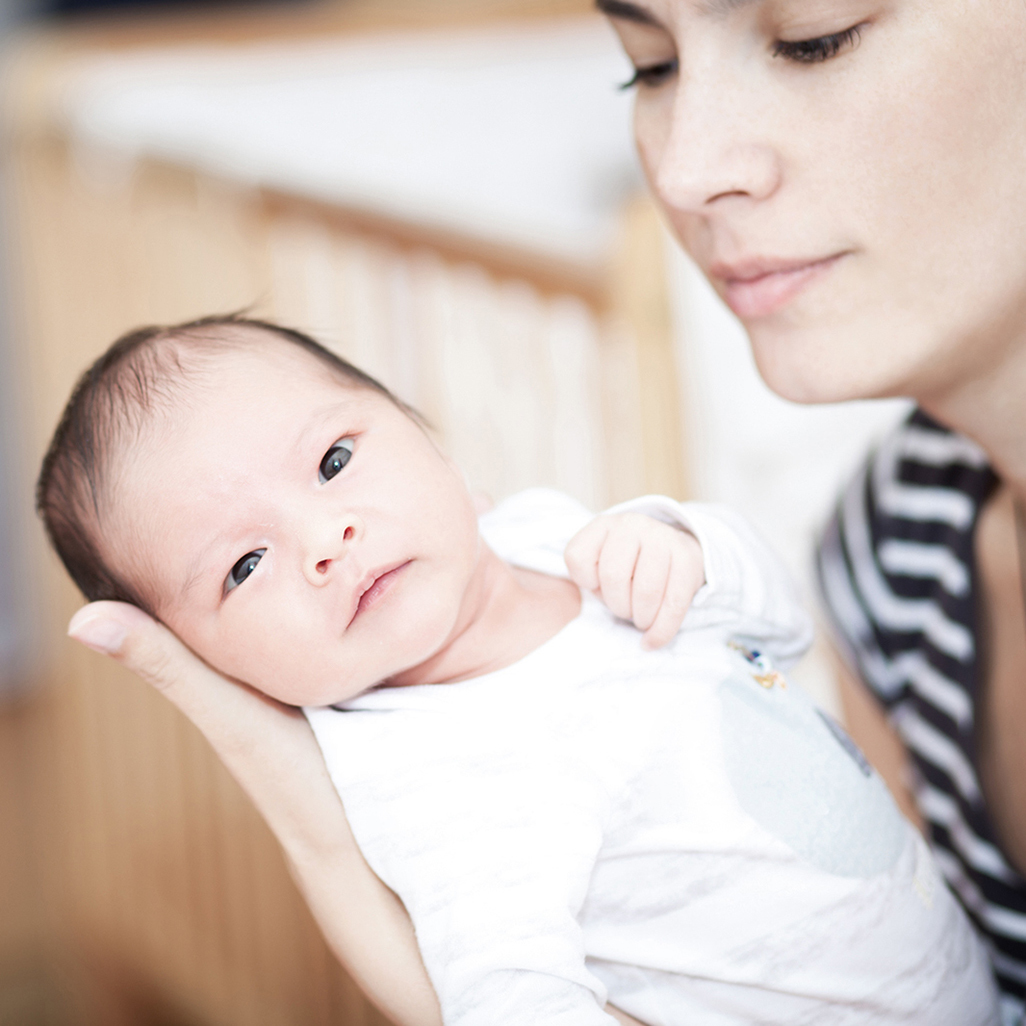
111 403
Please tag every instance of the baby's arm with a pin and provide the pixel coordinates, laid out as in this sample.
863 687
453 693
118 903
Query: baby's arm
689 559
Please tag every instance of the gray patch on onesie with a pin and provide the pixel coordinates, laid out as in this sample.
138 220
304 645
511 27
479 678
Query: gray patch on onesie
775 741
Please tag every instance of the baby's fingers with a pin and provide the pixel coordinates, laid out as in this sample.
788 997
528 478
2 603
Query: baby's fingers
617 562
648 587
686 576
665 626
582 554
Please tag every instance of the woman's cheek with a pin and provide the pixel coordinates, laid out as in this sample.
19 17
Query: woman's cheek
653 125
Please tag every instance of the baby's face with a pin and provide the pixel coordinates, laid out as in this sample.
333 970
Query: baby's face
299 533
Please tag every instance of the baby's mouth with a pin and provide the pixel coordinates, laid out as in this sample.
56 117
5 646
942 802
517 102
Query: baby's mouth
374 586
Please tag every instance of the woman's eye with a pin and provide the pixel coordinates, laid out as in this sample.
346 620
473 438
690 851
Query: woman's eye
814 51
652 75
242 569
335 459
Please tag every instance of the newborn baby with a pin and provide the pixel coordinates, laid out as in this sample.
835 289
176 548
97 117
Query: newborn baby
575 800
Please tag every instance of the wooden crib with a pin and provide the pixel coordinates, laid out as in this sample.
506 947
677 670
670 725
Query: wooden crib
164 897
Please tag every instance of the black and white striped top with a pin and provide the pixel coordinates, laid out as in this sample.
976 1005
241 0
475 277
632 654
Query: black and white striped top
896 567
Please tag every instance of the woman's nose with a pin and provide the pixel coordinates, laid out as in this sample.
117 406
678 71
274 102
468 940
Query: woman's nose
715 147
327 544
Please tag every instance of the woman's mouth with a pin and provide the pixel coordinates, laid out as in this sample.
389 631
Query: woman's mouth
761 287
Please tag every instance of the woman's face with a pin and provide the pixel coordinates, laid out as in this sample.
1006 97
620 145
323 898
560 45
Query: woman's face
849 174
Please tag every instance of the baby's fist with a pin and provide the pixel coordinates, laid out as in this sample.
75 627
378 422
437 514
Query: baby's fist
644 570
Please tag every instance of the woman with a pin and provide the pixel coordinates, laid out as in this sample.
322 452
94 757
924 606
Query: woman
847 173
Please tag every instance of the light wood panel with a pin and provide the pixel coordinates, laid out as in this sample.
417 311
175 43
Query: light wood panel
22 933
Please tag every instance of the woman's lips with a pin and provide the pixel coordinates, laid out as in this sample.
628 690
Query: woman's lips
761 288
374 586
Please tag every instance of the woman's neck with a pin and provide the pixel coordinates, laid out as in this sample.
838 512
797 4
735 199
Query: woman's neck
989 406
509 612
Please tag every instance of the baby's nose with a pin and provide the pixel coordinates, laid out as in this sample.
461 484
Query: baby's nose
326 544
323 564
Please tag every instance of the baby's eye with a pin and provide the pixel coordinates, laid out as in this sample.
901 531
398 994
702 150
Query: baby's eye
335 459
242 569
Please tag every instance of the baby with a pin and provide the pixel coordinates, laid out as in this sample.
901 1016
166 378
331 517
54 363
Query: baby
579 792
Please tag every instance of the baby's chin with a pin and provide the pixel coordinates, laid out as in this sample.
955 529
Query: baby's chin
283 686
296 693
280 678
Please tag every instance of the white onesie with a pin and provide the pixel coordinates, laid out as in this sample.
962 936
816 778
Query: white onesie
678 832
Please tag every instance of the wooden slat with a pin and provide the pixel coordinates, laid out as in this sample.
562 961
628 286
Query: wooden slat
549 274
641 308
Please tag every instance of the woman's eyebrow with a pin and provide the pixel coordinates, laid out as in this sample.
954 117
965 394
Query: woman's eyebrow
632 12
626 12
727 6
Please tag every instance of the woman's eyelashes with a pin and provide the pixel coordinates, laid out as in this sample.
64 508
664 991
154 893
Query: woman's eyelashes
242 569
652 75
822 48
798 51
335 459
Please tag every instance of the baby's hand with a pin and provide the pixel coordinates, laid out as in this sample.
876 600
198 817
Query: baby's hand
642 569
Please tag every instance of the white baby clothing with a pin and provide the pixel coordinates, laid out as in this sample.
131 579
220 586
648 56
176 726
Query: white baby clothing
679 832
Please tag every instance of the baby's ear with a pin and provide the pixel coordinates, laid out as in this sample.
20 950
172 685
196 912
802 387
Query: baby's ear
483 502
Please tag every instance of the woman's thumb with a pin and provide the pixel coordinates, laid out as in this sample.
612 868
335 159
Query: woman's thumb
127 634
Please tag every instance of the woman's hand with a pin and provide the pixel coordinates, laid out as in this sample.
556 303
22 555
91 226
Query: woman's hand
364 923
270 750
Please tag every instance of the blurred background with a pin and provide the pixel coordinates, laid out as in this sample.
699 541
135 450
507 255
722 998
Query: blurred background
443 190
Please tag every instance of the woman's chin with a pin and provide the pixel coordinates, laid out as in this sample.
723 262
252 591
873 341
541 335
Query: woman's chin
810 366
811 390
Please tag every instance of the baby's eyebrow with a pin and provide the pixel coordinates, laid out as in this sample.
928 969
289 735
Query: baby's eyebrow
194 576
316 421
201 566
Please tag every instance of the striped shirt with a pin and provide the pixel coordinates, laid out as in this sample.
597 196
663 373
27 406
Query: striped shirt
896 566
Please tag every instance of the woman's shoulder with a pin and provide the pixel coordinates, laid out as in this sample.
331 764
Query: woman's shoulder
922 483
922 453
895 560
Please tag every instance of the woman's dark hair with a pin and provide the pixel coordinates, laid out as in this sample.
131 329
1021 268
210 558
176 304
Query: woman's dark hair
142 371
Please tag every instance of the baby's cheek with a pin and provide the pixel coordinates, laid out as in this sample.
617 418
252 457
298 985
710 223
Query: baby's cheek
294 664
267 658
237 650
